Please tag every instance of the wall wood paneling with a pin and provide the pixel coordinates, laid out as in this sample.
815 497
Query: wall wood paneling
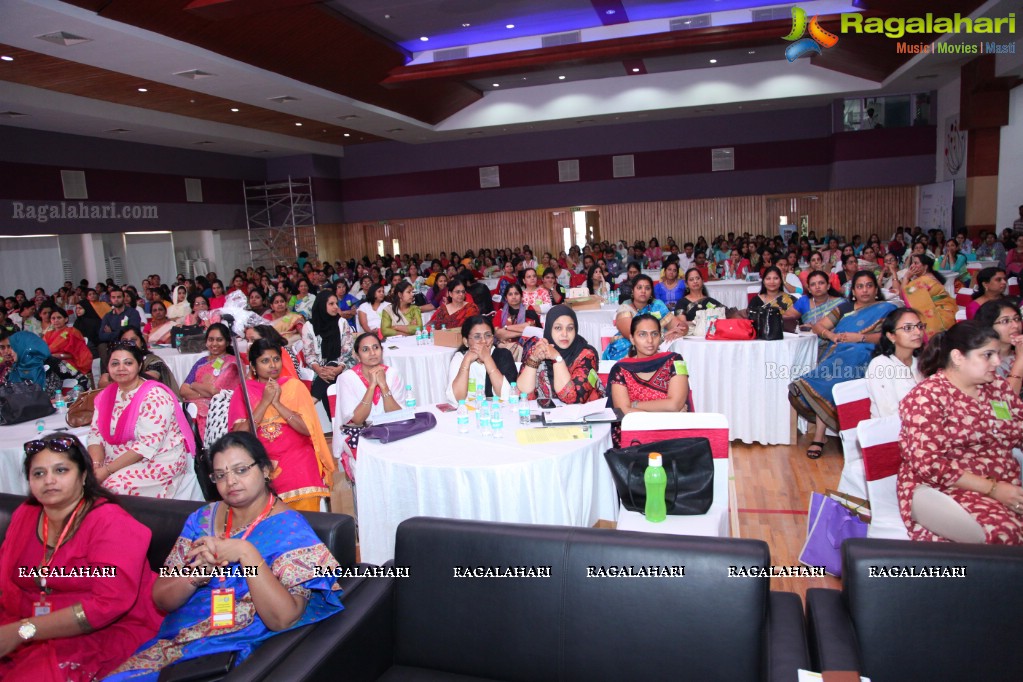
848 212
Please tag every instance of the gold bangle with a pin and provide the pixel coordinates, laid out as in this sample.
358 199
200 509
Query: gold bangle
386 395
365 402
80 618
994 484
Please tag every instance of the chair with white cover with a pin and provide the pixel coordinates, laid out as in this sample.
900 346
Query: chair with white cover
853 404
650 427
964 296
879 442
341 449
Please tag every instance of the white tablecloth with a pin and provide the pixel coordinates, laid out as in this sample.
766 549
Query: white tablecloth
655 275
730 292
466 476
950 281
491 282
748 381
180 363
425 368
12 452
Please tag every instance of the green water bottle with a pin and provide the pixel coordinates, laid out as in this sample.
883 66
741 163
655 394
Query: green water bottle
655 481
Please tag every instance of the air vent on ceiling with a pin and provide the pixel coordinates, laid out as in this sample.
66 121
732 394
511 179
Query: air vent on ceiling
568 171
772 13
490 176
11 114
926 76
623 166
722 159
452 53
556 39
688 23
193 190
74 184
284 99
63 38
203 142
348 117
195 74
118 131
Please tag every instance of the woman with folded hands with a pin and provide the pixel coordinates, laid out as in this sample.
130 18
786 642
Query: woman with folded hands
561 366
269 556
477 358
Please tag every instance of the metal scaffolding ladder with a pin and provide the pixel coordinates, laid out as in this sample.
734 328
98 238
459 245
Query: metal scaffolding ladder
281 221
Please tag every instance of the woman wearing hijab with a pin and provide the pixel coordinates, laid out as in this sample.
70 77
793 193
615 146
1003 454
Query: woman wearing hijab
328 343
561 366
179 309
88 323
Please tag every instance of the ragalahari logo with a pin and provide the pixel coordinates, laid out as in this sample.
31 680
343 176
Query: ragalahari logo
818 36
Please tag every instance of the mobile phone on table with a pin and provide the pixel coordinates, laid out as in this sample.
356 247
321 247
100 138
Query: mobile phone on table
445 407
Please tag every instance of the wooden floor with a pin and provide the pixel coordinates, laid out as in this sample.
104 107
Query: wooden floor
773 486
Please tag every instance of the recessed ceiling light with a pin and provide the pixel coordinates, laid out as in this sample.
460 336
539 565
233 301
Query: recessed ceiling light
752 51
525 78
298 124
143 90
466 25
424 38
7 58
509 25
496 85
348 134
713 61
561 78
609 12
234 109
635 70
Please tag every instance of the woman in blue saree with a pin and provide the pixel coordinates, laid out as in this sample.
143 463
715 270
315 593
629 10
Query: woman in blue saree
277 573
853 336
642 303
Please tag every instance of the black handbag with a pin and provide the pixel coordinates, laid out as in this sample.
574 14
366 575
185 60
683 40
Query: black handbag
23 402
206 668
688 463
768 323
182 335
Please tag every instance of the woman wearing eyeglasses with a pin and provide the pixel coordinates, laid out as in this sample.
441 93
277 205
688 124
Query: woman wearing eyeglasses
267 554
140 442
561 366
287 426
477 358
71 628
1003 316
456 311
369 389
893 372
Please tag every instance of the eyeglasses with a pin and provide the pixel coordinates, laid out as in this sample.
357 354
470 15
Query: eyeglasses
910 327
238 471
1008 320
55 444
482 337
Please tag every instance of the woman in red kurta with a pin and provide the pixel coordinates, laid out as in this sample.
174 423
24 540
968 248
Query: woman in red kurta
959 427
94 623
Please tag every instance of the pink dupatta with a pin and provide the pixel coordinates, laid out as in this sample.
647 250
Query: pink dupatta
377 393
125 430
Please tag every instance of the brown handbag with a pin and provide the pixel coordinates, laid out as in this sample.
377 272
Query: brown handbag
80 412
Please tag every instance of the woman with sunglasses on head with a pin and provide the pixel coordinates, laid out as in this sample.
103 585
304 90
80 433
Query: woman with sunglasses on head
275 567
140 442
71 628
153 366
561 366
647 380
478 359
893 372
218 371
1003 316
369 389
287 426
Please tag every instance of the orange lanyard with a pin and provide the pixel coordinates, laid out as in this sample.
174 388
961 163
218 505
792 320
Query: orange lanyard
252 526
45 563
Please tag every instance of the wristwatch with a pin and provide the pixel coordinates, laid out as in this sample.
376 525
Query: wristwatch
27 630
558 359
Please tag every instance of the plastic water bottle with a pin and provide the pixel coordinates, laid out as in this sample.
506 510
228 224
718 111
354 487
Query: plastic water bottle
655 481
59 402
463 417
177 340
513 398
419 337
76 393
496 420
410 398
481 396
483 417
40 426
470 395
431 338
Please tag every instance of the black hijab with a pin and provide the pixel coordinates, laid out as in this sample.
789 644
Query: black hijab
326 327
578 344
89 322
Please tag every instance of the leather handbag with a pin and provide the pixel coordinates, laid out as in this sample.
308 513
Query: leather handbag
388 433
688 463
186 334
23 402
80 412
731 330
767 323
201 669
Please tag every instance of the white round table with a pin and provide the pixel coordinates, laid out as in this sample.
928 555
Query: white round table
425 368
180 364
466 476
748 382
950 281
491 282
655 275
732 293
12 449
